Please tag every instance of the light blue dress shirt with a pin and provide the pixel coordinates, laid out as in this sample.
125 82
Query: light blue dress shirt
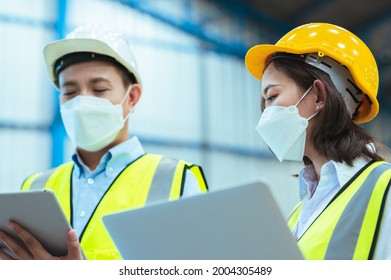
88 186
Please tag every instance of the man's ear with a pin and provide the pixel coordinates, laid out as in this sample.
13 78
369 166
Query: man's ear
321 94
135 94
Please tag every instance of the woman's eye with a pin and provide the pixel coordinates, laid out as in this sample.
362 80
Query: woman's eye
271 98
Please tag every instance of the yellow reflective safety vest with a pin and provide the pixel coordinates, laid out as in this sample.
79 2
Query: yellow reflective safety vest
348 227
148 179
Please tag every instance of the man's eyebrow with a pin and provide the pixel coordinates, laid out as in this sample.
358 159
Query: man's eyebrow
68 84
92 81
99 80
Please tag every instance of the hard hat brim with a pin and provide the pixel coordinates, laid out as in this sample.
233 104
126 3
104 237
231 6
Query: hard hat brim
258 56
57 49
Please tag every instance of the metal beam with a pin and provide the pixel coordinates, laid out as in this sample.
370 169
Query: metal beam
366 28
214 41
312 7
57 131
26 21
206 146
24 126
262 19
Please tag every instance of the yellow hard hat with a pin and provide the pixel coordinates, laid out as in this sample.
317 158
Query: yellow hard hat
327 40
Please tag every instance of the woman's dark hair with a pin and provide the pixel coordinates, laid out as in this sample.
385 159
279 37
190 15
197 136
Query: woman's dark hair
335 136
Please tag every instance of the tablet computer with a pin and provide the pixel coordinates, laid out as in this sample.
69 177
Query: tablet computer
39 212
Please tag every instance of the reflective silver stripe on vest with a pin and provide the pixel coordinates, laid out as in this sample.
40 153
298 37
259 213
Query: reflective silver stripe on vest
160 187
294 210
345 236
41 180
162 180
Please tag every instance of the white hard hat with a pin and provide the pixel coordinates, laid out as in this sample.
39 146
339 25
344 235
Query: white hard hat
96 39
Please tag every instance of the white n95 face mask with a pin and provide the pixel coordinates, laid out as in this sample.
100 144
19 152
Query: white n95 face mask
284 131
91 122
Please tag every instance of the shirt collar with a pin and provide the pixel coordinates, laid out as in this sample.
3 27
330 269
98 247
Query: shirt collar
117 157
307 181
346 172
341 172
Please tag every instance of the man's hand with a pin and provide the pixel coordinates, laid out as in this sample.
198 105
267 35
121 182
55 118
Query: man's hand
33 250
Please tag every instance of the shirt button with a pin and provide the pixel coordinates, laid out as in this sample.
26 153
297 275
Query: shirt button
90 181
82 214
110 169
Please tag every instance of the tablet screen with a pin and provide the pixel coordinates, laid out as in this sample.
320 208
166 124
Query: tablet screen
39 212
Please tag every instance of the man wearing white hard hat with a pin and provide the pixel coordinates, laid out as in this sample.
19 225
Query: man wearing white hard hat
96 74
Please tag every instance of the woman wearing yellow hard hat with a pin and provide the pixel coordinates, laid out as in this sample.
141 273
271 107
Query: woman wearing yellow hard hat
318 82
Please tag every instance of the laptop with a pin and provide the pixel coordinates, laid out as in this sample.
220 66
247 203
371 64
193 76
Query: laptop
235 223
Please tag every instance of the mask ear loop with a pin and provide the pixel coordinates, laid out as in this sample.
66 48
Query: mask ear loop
305 93
317 112
126 95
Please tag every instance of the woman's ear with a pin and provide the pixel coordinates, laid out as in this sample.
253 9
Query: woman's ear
321 94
